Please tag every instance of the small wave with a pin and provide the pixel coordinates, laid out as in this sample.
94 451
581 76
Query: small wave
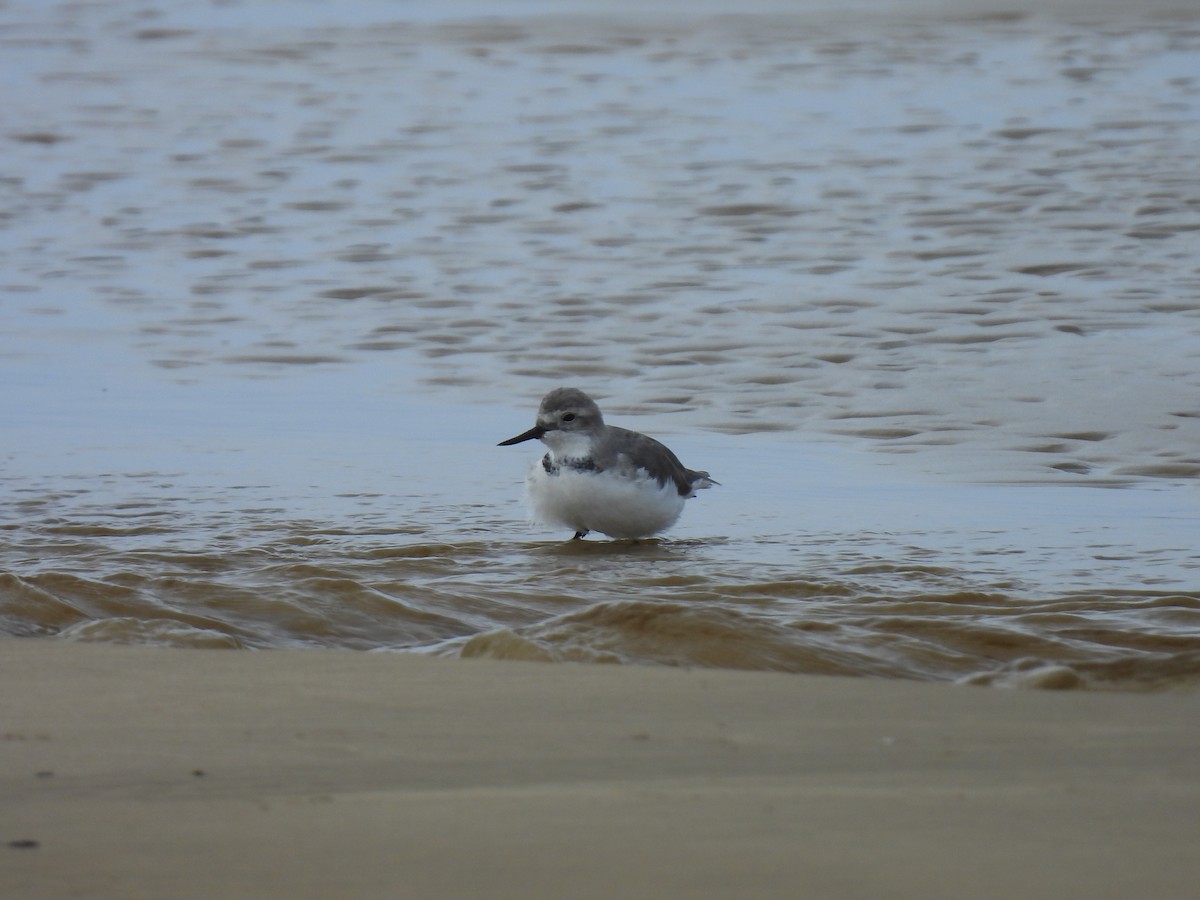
678 634
1011 644
152 633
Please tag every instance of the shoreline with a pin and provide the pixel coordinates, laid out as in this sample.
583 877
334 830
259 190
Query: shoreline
151 772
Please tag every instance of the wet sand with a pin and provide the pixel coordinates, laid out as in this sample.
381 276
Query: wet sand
144 772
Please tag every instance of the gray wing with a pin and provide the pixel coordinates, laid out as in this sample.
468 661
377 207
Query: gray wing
656 458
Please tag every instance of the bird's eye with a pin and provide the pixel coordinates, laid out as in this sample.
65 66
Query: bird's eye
568 417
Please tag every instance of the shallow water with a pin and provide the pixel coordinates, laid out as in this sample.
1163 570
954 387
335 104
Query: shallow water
920 291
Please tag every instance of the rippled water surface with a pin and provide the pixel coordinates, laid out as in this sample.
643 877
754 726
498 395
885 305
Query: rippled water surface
920 290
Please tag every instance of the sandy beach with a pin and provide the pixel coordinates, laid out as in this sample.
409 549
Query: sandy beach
137 772
915 281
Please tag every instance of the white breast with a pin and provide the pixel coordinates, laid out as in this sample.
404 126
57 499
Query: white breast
615 505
